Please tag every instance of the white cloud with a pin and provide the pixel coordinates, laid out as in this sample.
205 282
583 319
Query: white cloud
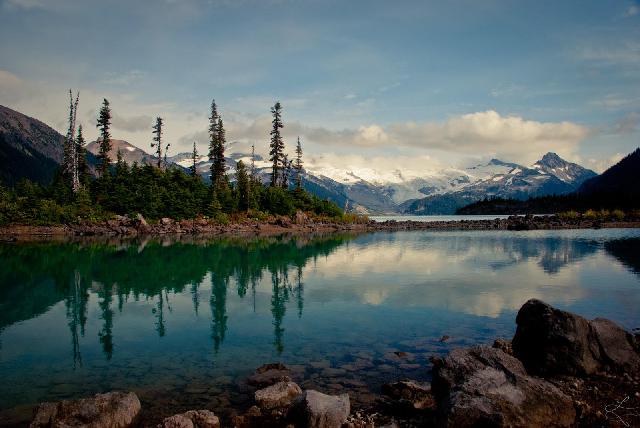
489 133
601 165
625 53
627 124
632 11
483 134
27 4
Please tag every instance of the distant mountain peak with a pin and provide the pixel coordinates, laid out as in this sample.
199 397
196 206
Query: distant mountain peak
495 161
549 156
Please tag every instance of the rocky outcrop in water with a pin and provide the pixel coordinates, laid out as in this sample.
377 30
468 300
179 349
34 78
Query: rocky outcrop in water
549 342
110 410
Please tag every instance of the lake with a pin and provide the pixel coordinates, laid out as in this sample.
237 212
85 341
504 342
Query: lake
183 323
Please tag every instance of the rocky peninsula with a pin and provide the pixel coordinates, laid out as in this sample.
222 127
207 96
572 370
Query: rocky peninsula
124 226
559 370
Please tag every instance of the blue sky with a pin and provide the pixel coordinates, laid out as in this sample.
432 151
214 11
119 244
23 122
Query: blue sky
420 83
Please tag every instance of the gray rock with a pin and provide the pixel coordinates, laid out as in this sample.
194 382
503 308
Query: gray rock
110 410
277 396
318 410
617 347
483 386
192 419
549 341
141 220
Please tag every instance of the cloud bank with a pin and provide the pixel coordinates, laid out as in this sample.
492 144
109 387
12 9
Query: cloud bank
485 133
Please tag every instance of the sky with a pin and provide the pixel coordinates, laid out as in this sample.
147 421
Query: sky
413 86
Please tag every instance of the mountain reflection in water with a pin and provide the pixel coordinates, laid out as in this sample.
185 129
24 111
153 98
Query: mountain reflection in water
81 317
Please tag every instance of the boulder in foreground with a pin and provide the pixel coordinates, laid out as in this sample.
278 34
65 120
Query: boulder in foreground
483 386
549 341
318 410
277 396
110 410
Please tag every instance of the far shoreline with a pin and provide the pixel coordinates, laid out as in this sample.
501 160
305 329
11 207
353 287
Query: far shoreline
124 227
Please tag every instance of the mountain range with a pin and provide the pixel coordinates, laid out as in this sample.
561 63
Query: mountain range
31 149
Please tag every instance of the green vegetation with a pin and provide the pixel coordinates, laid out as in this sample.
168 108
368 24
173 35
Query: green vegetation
611 202
158 191
155 193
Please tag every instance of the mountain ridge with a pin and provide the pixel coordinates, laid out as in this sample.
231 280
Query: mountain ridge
27 144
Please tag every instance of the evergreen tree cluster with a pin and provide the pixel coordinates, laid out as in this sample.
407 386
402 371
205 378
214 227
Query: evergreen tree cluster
157 191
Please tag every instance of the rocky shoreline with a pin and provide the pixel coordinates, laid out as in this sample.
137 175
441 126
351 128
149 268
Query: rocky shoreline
560 370
124 226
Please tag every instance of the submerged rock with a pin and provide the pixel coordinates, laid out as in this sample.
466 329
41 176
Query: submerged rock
549 341
110 410
417 394
318 410
483 386
269 374
192 419
277 396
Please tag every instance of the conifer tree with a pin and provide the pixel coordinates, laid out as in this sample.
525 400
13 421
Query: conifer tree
104 124
81 152
157 140
166 151
242 178
298 165
193 169
218 167
70 150
276 145
253 161
213 135
286 172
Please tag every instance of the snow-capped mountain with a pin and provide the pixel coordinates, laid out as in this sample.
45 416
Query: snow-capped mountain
550 175
130 153
568 172
436 192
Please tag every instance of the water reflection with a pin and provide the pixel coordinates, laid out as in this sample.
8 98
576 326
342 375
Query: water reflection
36 276
82 317
627 251
401 270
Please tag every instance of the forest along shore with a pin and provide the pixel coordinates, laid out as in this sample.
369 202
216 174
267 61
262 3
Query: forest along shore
299 224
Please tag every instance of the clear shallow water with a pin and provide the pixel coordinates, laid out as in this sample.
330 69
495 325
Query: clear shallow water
182 324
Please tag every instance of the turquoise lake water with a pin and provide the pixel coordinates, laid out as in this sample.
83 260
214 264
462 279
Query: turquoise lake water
183 323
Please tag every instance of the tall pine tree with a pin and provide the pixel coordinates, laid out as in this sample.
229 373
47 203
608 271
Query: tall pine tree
157 140
70 162
193 169
298 165
276 145
218 168
104 124
213 136
83 166
242 179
